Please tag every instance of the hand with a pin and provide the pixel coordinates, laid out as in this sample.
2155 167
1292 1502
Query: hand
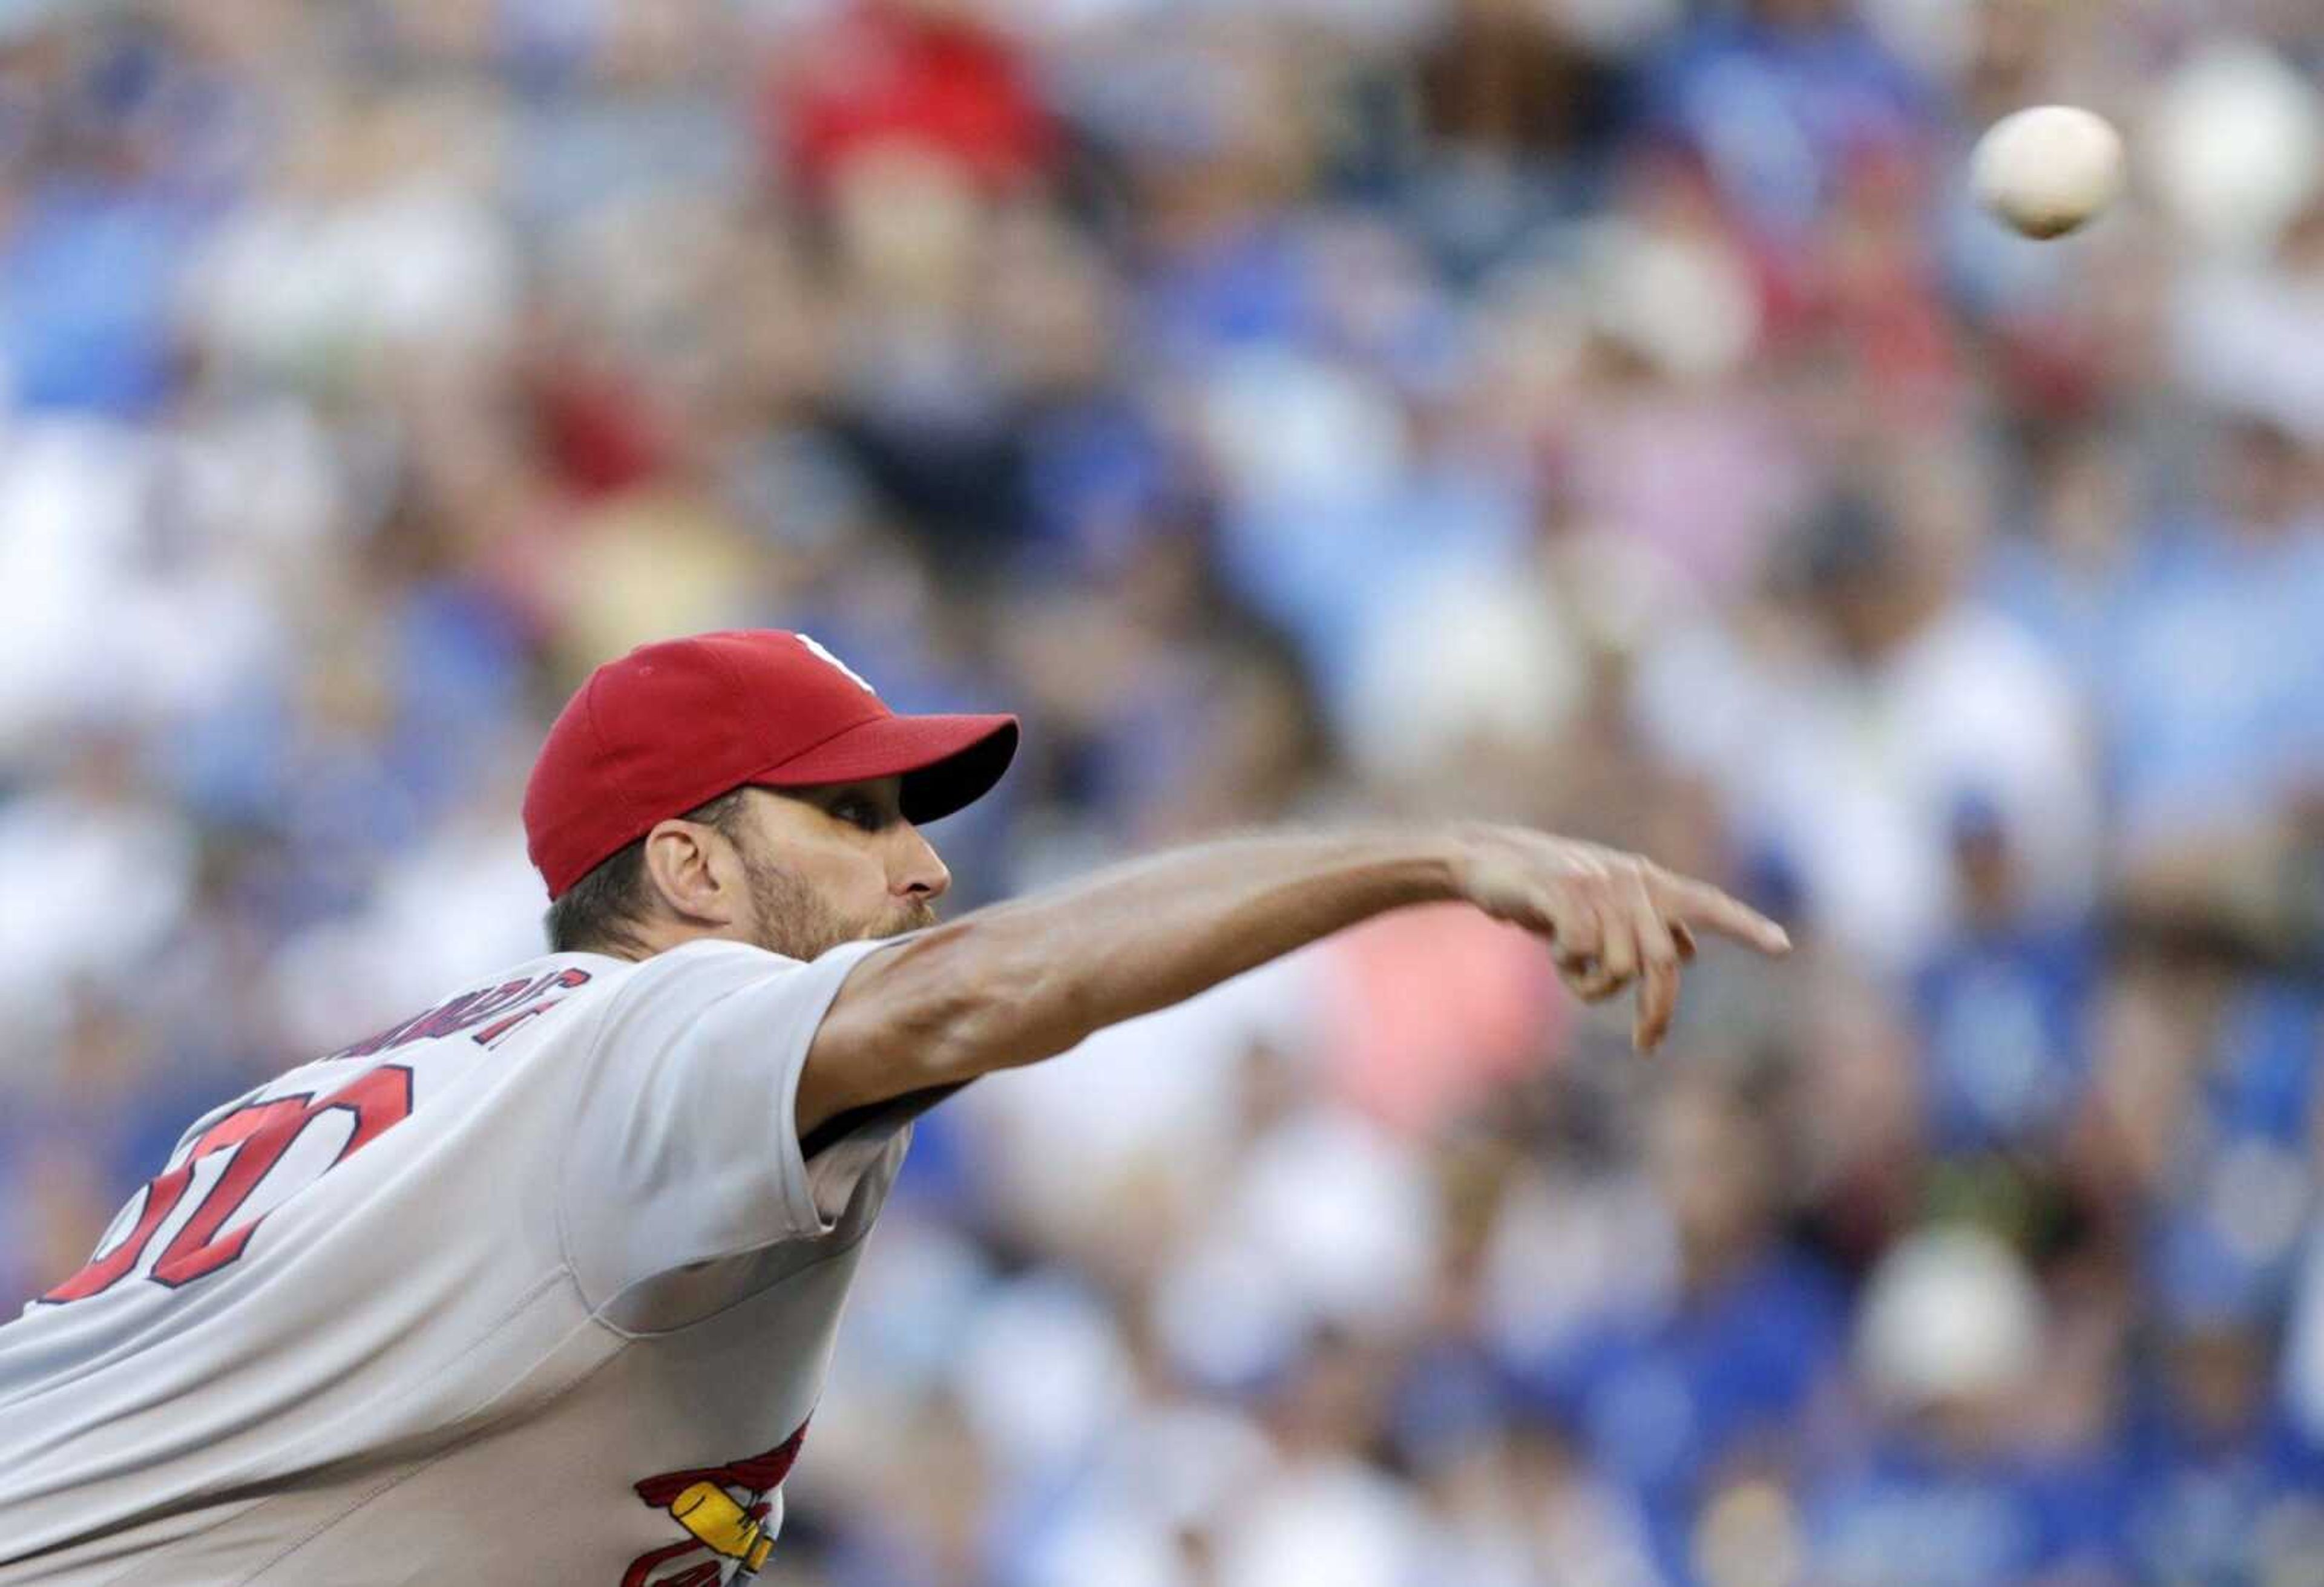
1611 918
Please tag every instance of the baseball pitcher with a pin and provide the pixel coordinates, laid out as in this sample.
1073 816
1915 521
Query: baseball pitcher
540 1283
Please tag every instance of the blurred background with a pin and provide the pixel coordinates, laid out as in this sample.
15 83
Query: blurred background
1605 414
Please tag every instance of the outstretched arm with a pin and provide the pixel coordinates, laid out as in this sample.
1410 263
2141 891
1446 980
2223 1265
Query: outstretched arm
1023 981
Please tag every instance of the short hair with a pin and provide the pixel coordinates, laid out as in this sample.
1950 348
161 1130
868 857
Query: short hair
604 908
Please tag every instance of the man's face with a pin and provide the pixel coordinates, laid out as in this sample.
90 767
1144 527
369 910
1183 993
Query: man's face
833 864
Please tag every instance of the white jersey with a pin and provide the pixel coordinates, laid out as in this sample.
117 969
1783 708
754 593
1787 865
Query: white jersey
537 1286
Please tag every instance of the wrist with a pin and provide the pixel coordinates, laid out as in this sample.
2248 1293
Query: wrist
1439 867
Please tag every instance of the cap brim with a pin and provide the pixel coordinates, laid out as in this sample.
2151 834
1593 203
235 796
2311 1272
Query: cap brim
946 762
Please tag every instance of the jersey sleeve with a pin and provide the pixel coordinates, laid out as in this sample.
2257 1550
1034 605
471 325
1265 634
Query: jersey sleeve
686 1144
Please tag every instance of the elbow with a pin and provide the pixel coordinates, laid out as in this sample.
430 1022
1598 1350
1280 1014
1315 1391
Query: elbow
986 1019
983 1009
1020 1021
946 1008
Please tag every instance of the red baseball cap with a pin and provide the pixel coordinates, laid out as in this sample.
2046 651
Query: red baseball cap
672 726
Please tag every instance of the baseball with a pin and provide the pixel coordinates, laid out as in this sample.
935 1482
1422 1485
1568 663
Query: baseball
2047 170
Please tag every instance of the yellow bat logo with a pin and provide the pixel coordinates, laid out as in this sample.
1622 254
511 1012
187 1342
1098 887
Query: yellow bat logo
721 1525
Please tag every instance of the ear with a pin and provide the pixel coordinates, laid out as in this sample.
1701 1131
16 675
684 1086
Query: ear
693 871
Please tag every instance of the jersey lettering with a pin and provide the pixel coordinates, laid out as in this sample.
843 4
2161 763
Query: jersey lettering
258 1135
379 1101
261 1134
467 1010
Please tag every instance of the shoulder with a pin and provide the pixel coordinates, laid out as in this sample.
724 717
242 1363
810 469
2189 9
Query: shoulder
706 961
721 992
695 974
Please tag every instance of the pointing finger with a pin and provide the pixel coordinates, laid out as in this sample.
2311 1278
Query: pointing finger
1694 904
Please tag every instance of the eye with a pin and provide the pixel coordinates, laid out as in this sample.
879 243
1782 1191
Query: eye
860 813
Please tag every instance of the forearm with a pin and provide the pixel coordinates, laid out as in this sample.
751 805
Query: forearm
1023 981
1020 982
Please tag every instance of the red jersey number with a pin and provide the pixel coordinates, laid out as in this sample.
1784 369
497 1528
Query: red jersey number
257 1135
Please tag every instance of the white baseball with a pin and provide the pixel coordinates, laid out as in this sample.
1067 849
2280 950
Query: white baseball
2047 170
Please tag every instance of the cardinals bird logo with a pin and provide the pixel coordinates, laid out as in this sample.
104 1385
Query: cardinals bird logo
725 1511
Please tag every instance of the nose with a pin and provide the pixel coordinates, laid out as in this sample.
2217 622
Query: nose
920 874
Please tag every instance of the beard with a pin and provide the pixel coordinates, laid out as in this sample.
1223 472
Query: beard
798 923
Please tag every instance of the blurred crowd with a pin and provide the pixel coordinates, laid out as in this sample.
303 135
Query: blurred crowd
1611 415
